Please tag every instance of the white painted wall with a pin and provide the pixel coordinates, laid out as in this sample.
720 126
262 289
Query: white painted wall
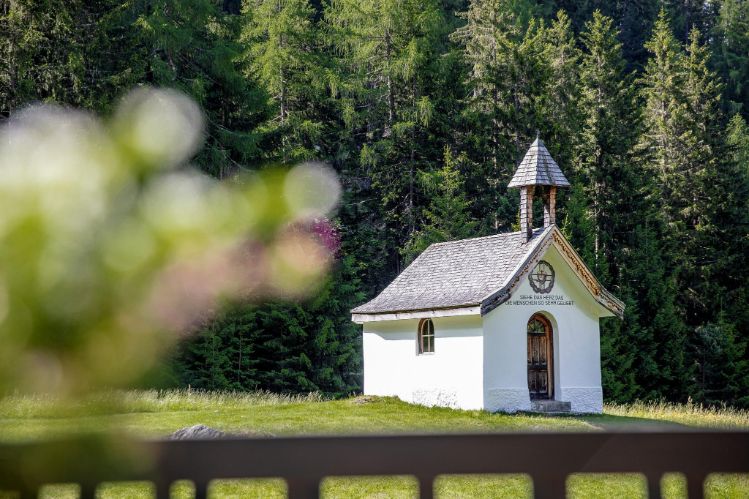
577 356
451 376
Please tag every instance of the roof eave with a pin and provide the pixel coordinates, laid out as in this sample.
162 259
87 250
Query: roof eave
518 184
362 317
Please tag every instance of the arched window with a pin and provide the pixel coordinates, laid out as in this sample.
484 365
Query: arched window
426 336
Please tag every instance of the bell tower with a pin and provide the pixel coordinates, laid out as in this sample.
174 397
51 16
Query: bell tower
537 174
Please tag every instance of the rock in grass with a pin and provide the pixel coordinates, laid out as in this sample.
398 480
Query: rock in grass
197 432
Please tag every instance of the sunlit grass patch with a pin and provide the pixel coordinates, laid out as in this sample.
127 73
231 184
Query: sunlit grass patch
144 401
395 487
688 414
59 491
673 486
125 490
606 486
156 414
509 486
727 486
246 489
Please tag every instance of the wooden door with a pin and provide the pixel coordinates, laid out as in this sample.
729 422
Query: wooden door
540 355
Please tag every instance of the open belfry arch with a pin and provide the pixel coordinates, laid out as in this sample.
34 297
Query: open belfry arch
513 318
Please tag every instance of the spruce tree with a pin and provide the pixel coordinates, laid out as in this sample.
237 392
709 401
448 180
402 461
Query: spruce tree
730 53
722 370
192 45
612 187
279 346
653 324
42 53
559 111
702 196
716 213
504 81
609 132
737 136
660 147
282 55
447 215
389 61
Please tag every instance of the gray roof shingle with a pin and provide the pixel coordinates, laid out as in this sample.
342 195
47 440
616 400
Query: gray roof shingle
454 274
538 168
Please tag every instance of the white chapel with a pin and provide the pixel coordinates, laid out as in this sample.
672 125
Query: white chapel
508 322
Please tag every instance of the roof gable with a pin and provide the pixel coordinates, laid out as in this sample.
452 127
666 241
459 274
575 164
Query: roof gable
481 272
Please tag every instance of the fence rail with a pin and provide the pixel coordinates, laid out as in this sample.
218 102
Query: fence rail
548 458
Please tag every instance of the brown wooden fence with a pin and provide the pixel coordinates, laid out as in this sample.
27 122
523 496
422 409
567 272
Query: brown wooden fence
548 458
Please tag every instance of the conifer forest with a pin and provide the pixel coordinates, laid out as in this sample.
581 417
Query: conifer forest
424 108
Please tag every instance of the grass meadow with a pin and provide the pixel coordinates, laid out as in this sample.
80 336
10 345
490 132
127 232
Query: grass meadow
153 414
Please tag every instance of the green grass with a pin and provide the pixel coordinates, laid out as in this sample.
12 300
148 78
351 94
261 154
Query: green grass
157 414
685 414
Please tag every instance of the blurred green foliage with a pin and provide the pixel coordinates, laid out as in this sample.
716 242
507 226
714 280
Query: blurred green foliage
111 246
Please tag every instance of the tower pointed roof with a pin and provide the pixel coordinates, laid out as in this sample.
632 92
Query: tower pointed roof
538 168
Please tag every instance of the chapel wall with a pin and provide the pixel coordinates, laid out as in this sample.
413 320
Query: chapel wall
449 377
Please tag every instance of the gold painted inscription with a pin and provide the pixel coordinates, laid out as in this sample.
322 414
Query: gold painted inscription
541 300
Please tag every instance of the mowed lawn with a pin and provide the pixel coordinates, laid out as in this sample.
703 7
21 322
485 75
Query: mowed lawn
157 414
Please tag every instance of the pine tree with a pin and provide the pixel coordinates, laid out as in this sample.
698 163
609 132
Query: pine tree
730 51
282 55
42 53
447 216
654 332
665 121
389 61
609 133
559 111
722 369
505 78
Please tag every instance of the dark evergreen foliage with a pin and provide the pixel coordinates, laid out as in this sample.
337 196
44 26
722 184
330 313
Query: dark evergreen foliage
424 109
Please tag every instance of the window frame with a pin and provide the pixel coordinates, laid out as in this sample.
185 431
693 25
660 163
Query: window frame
425 332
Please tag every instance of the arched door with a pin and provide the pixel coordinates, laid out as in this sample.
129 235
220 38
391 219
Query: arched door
540 358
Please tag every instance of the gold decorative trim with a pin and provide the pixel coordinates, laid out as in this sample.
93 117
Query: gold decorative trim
586 276
572 258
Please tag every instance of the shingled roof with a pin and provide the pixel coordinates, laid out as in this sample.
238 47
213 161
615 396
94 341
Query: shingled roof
454 274
479 272
538 168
